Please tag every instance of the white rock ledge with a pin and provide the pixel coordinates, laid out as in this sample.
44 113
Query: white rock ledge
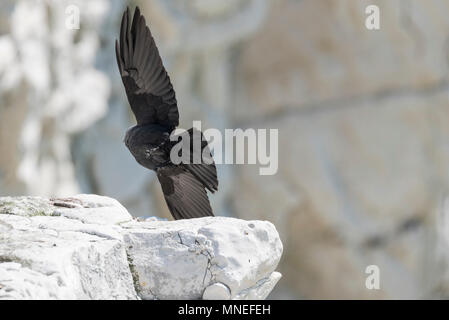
89 247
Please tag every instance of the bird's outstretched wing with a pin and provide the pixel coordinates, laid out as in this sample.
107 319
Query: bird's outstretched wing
146 81
205 172
185 195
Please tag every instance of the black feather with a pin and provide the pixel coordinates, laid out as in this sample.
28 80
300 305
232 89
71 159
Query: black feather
153 102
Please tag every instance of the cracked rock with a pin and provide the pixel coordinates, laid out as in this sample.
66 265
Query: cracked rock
89 247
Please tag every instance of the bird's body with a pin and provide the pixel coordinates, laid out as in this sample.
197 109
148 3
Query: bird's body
153 102
149 144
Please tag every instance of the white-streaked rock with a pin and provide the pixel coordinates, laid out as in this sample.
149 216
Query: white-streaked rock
217 291
18 282
93 209
89 247
179 260
61 261
261 289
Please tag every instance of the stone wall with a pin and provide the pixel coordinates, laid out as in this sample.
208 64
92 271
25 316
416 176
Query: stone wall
364 163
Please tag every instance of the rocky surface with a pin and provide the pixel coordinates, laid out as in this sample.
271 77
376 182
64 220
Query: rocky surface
89 247
362 115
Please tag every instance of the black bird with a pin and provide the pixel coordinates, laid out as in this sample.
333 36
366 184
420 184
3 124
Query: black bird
154 105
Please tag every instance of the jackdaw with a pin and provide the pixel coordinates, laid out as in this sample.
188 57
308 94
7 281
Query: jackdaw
153 102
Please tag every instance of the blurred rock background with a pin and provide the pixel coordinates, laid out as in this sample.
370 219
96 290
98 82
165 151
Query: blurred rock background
363 119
